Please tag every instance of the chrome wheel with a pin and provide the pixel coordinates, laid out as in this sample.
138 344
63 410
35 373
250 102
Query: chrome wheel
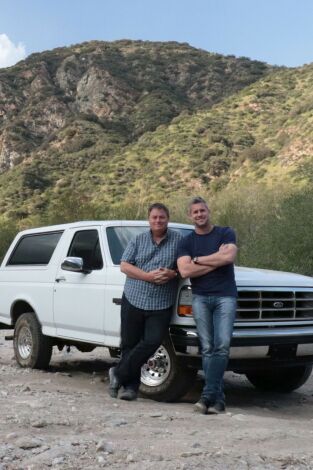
25 342
157 368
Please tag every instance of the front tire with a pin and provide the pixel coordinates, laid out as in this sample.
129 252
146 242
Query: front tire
31 348
164 377
282 380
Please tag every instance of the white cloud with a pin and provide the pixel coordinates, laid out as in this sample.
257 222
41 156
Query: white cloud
9 52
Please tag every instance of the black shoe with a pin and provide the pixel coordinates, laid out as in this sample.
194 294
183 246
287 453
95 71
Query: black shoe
217 408
114 383
128 394
201 407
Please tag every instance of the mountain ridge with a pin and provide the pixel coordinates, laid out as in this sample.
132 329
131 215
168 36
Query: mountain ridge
69 108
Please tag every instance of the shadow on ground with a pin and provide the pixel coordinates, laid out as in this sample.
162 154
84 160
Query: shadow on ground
240 394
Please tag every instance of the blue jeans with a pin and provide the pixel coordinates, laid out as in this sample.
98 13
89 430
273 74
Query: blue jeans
214 317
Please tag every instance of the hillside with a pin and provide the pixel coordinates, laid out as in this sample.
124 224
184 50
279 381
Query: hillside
99 130
73 119
261 134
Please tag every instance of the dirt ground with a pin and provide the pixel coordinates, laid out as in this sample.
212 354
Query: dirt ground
63 418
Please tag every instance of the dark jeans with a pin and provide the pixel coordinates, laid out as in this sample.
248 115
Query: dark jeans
142 332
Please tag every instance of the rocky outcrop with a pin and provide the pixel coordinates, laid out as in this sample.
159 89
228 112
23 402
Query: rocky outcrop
133 86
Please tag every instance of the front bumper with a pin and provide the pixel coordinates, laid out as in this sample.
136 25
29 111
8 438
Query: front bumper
252 347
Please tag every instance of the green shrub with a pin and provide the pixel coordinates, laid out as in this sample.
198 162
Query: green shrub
257 153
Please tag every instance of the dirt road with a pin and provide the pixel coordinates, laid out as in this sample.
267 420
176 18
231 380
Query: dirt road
64 419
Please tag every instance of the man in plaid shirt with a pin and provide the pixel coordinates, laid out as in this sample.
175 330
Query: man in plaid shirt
149 263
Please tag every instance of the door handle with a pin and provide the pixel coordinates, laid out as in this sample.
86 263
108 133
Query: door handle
61 278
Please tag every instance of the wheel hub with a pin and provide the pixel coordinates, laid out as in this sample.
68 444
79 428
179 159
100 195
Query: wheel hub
25 342
157 368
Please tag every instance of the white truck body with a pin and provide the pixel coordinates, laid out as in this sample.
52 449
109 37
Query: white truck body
274 326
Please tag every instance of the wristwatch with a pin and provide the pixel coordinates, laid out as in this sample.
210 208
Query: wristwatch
195 259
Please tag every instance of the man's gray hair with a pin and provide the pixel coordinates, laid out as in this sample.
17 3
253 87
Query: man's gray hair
197 200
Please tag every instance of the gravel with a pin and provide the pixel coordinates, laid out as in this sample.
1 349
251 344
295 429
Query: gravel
63 418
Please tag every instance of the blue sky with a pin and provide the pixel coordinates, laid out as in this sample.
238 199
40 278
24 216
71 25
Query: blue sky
275 31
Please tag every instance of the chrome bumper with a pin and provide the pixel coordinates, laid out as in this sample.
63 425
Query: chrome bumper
252 343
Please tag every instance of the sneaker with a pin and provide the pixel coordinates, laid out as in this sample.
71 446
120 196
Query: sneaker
114 383
201 407
217 408
128 394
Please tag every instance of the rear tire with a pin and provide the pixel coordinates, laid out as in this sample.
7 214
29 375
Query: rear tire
164 377
282 380
31 348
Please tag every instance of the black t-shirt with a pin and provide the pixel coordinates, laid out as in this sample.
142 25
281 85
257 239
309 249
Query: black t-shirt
221 281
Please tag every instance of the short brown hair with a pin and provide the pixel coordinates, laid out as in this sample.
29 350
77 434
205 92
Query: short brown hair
160 206
197 200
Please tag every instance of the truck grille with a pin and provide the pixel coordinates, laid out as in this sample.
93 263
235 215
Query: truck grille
273 305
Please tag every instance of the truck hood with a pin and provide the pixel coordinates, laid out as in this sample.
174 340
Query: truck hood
267 278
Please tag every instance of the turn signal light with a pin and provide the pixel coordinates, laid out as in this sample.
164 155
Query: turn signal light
184 310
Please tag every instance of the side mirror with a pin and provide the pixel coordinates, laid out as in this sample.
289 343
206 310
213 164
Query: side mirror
75 265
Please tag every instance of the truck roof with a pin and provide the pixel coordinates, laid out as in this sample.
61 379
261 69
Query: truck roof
104 223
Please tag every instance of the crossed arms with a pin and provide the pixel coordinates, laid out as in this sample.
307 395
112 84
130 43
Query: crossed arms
205 264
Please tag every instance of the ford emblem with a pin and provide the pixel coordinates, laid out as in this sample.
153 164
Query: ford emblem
278 304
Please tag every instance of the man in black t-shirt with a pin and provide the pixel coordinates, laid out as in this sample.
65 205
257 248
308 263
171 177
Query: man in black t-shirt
207 257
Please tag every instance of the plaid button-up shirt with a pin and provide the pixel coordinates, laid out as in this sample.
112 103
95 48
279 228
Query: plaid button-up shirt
147 255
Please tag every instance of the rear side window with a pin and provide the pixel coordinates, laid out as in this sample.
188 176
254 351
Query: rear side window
35 249
85 244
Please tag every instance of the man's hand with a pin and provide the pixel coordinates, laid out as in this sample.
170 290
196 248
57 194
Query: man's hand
157 276
161 275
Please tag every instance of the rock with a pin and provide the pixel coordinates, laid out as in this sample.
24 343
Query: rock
61 422
191 454
130 458
11 436
39 424
195 445
184 466
119 422
58 460
104 446
75 443
240 417
28 443
167 418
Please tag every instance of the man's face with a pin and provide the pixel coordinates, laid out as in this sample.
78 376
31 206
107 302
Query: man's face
158 220
200 215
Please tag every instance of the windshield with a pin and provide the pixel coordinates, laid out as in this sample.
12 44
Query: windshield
118 238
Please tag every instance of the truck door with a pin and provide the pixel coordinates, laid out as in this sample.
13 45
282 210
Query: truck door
78 297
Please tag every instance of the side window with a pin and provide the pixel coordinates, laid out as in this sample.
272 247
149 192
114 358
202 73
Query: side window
86 245
118 238
34 249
